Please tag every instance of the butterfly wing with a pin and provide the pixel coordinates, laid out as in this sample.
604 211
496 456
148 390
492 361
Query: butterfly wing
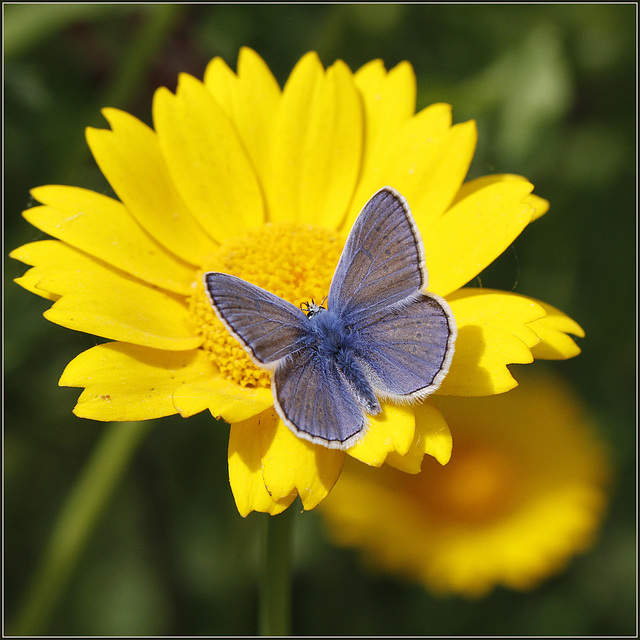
383 260
268 327
315 403
407 348
405 337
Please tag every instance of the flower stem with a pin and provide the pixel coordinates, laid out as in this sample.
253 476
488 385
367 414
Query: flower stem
80 514
275 579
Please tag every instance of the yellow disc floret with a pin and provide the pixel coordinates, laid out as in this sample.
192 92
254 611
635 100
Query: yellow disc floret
294 262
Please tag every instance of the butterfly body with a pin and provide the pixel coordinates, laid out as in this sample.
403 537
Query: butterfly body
381 335
337 344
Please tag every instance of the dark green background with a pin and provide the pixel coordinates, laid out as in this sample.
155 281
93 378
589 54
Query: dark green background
553 89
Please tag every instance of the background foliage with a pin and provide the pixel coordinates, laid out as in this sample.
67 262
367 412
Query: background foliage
553 89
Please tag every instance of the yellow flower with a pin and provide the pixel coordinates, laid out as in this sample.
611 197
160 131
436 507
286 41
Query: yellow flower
242 177
524 491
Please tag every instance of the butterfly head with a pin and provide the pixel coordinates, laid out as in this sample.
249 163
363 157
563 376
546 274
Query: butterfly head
312 309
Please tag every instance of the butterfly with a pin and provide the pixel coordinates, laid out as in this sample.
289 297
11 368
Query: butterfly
380 336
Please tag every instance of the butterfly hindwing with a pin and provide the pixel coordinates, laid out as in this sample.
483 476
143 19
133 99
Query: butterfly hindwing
408 348
269 327
382 262
314 401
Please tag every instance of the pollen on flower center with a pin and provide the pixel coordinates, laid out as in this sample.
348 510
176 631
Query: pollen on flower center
294 262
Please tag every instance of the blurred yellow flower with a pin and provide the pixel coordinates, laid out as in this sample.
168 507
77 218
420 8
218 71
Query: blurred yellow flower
524 491
242 177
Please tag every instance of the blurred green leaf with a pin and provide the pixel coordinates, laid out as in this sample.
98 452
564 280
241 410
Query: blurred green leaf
26 25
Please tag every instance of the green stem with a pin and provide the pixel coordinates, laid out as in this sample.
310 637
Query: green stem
80 514
275 582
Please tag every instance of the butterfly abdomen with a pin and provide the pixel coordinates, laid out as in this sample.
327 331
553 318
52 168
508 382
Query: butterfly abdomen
337 344
357 382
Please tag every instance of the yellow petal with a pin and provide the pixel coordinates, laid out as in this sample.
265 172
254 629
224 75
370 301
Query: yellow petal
493 331
430 170
105 302
391 430
30 280
225 399
207 160
552 330
94 298
247 443
474 232
407 161
249 99
125 382
51 254
333 150
130 158
103 228
389 101
432 437
221 82
281 180
538 205
511 311
316 146
32 254
478 184
48 256
291 464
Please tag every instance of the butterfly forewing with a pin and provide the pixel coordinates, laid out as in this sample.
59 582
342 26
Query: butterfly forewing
382 261
408 348
269 327
314 401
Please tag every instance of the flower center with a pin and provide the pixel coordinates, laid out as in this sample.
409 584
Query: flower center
476 486
294 262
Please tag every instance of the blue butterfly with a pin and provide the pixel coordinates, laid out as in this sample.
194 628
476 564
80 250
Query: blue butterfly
381 335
